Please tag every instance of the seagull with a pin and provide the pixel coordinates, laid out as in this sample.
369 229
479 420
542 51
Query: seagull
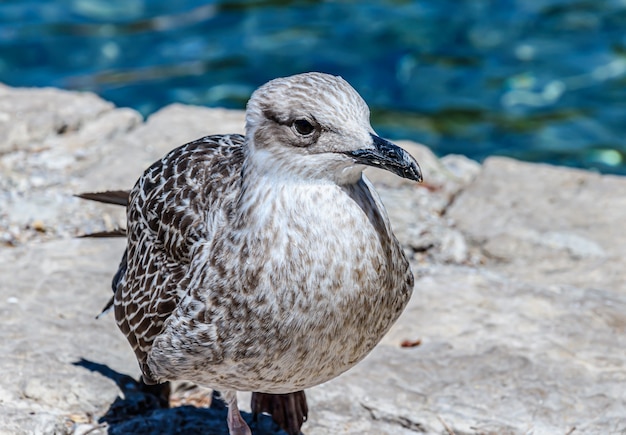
264 262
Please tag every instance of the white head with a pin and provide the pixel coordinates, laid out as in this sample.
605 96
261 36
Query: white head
316 126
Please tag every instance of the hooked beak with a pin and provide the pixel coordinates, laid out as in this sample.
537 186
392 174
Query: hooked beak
386 155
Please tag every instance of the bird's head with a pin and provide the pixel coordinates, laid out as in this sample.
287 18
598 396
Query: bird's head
316 125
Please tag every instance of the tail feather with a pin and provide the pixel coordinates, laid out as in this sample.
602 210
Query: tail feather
106 308
116 197
117 232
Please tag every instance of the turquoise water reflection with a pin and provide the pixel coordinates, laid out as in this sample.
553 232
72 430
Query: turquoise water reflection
540 80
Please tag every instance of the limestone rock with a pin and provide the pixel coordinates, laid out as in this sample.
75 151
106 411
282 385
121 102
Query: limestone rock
517 324
28 116
547 224
168 128
40 176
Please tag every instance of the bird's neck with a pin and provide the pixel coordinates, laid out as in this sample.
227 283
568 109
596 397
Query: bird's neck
271 186
285 167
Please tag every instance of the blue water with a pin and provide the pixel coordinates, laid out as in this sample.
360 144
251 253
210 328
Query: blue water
539 80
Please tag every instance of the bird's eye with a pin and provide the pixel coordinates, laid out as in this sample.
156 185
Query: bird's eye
303 127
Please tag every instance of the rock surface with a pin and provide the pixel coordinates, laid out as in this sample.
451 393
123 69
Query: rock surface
517 324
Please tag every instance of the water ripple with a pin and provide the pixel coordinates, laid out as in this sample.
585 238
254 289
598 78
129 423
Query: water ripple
541 80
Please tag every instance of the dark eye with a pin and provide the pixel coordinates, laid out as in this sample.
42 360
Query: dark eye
303 127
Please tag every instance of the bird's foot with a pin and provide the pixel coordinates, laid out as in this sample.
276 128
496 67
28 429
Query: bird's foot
236 424
159 392
289 411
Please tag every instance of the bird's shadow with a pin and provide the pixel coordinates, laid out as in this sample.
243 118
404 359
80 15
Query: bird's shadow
145 410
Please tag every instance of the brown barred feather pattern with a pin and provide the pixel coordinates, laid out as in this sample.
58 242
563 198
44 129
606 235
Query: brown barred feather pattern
265 262
165 224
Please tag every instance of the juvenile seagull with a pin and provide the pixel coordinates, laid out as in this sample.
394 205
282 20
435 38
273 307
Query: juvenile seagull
265 262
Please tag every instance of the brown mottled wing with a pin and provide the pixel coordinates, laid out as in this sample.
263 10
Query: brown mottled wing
168 215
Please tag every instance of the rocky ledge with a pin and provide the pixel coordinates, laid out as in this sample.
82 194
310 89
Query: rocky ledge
517 324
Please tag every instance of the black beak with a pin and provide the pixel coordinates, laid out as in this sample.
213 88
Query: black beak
388 156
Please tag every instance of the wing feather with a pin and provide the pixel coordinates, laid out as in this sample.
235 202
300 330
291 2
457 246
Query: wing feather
168 217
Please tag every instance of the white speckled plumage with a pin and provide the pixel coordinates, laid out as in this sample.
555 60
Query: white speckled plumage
265 262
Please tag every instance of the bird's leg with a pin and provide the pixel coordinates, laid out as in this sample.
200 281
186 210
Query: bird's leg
161 392
236 423
289 411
